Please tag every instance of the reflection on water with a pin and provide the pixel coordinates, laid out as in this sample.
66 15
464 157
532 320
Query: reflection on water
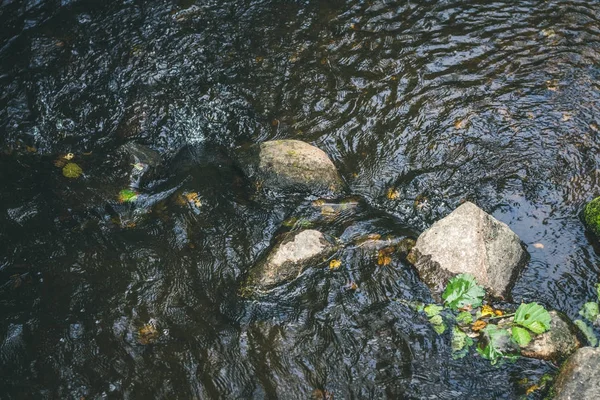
432 101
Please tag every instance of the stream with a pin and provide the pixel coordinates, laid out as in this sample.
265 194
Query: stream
421 105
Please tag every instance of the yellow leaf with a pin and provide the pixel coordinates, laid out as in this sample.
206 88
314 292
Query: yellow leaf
460 124
31 149
487 310
393 194
531 389
352 286
478 325
499 313
334 264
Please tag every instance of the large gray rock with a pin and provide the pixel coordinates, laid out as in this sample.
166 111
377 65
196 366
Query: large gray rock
292 165
579 378
469 241
289 258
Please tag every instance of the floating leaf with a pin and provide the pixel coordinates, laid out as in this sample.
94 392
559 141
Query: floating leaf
148 333
590 311
462 291
521 336
72 170
393 194
533 317
127 196
335 264
139 166
464 318
538 245
384 256
432 310
460 343
438 324
587 331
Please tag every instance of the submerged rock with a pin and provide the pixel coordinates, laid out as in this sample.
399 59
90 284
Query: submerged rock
289 258
140 160
591 216
292 165
469 241
579 377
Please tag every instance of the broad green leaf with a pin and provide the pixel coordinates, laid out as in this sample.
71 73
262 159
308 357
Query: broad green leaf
590 311
72 170
463 291
521 336
588 332
432 310
464 318
533 317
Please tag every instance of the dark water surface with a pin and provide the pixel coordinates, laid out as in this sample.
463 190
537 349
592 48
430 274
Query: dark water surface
494 102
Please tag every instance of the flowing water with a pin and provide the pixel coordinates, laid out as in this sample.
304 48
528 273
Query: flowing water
438 101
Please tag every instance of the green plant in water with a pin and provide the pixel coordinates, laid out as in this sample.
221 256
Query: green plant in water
591 215
463 299
591 312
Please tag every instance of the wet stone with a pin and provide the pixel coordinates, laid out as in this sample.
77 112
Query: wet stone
579 378
292 165
469 241
290 256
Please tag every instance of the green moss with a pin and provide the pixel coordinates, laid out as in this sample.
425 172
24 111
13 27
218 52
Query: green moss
591 216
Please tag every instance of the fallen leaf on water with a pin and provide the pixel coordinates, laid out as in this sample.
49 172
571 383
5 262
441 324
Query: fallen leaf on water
31 149
139 166
538 245
193 198
393 194
352 286
478 325
549 33
499 313
69 156
72 170
460 124
148 333
552 85
594 127
566 117
334 264
384 256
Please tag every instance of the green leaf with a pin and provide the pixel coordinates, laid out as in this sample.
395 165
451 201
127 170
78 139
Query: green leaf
72 170
590 311
496 340
127 196
464 318
432 310
533 317
521 336
460 343
588 332
598 291
463 291
438 324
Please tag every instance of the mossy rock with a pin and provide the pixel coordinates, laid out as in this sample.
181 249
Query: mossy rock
591 216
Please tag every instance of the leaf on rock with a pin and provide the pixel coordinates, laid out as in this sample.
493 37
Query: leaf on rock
587 331
590 311
533 317
72 170
463 291
521 336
